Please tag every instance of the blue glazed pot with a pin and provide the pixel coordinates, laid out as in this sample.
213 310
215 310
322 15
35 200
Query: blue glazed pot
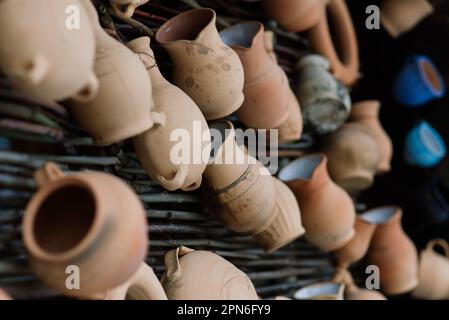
424 147
419 82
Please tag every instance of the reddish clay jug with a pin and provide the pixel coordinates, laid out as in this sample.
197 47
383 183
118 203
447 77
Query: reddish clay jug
202 275
327 211
204 67
103 231
393 252
125 8
154 147
352 292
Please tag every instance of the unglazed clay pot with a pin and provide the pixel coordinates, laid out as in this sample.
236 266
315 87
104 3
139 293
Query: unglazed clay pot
327 211
4 295
353 157
366 113
393 252
204 67
266 87
400 16
321 291
91 220
122 107
344 61
352 292
325 102
433 272
202 275
52 60
125 8
295 15
154 147
291 129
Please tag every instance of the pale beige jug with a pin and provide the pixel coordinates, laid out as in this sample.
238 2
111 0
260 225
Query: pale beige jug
125 8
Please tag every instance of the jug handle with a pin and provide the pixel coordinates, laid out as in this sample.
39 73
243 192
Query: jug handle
89 91
172 265
34 70
177 181
48 173
159 118
439 243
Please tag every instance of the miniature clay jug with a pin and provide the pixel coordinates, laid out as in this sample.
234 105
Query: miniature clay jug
352 292
204 67
53 60
122 107
366 113
321 291
266 87
325 102
433 272
295 15
154 147
353 157
125 8
393 252
344 55
103 230
400 16
327 211
4 295
203 275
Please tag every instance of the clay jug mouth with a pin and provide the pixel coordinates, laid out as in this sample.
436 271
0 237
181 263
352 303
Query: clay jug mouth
302 168
328 289
241 35
380 215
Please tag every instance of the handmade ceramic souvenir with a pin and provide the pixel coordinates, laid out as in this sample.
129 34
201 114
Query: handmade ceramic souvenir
321 291
352 292
204 67
291 129
125 8
91 220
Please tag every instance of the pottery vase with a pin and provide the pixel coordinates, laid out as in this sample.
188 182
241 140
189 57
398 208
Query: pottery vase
103 231
400 16
344 62
352 292
321 291
353 157
393 252
327 211
202 275
366 113
122 107
204 67
154 147
43 54
325 102
125 8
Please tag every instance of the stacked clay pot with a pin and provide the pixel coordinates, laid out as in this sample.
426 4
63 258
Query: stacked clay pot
154 146
125 8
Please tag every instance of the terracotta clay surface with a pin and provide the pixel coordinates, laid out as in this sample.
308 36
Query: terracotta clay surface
125 8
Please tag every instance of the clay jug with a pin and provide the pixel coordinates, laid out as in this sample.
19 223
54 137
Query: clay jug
154 147
43 54
327 211
122 107
393 252
353 157
4 295
103 230
125 8
352 292
325 102
321 291
291 129
203 275
295 15
400 16
433 272
203 66
266 87
366 113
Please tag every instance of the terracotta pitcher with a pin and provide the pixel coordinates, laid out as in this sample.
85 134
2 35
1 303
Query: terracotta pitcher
352 292
154 147
321 291
204 67
122 107
91 220
366 113
202 275
125 8
344 62
353 157
43 54
325 102
393 252
327 211
433 272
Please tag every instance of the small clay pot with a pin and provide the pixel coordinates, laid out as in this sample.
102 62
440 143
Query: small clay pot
4 295
353 157
204 67
325 102
400 16
154 147
433 272
202 275
327 211
344 62
392 251
352 292
92 232
125 8
321 291
42 55
366 113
